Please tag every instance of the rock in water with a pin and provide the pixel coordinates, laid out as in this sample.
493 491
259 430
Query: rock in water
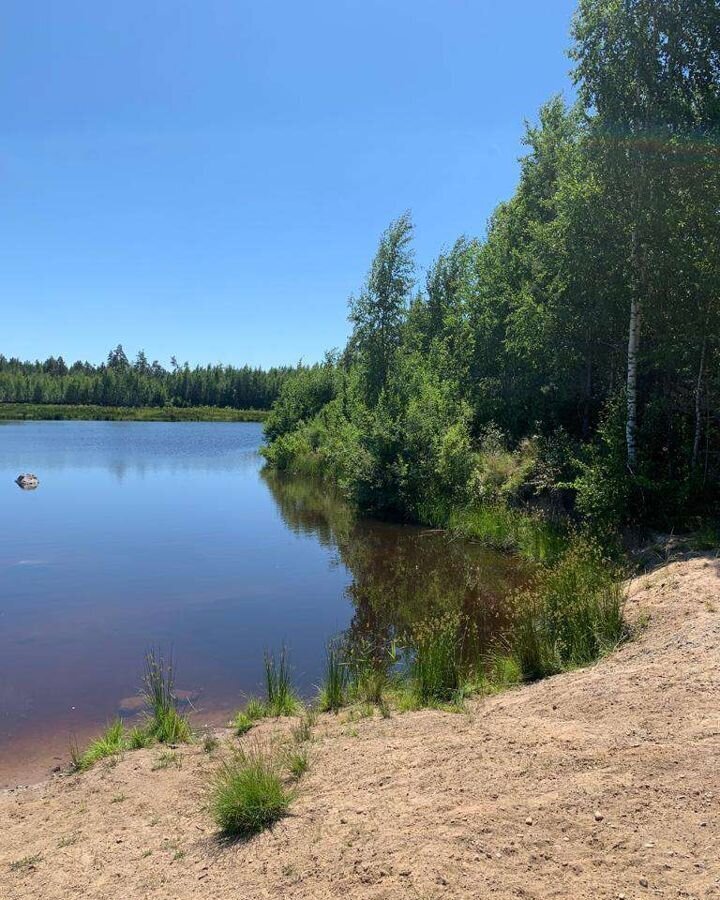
27 482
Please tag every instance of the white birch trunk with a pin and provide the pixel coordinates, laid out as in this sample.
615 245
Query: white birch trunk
633 345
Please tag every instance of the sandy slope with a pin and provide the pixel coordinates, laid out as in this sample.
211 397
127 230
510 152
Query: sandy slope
604 783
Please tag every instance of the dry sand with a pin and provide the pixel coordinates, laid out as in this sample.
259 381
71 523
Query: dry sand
601 783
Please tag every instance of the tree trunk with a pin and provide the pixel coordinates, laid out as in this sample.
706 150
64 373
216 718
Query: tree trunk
698 402
633 345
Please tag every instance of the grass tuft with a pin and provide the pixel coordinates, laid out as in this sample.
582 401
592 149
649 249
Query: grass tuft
281 697
110 743
572 616
333 694
166 724
247 794
298 762
435 646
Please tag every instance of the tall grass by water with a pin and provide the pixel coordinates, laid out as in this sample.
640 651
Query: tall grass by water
510 530
163 722
571 616
282 700
333 693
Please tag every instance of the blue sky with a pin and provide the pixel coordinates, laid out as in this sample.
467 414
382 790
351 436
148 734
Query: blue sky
209 179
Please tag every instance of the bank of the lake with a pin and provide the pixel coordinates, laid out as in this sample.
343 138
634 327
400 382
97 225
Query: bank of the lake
601 782
55 412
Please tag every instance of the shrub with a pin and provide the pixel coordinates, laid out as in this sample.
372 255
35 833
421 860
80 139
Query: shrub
247 794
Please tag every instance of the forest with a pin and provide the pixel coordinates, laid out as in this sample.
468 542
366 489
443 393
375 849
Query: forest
122 383
564 363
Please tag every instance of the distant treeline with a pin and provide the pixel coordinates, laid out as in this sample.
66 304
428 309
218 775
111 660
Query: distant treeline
120 382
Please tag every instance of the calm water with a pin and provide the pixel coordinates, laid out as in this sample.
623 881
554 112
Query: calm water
154 533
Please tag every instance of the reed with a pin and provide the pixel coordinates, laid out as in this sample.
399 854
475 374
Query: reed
281 697
333 694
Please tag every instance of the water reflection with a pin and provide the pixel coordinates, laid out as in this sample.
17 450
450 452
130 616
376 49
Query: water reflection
400 575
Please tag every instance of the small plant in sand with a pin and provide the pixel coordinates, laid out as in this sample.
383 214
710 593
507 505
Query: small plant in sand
247 793
297 761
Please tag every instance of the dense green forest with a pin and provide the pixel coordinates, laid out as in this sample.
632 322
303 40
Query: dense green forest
567 361
121 383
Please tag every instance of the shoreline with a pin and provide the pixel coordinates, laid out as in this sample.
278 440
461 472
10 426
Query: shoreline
599 782
20 412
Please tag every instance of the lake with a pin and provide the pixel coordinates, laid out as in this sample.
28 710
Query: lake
171 534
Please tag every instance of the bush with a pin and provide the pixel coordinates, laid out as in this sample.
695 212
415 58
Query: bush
247 794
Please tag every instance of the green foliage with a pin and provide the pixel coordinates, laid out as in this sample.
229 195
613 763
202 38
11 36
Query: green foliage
52 389
506 382
247 794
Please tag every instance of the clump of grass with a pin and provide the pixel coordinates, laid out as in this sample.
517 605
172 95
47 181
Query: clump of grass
247 794
298 762
502 670
505 528
209 742
166 724
370 671
138 738
110 743
255 709
166 760
572 616
302 732
26 864
281 697
333 694
435 646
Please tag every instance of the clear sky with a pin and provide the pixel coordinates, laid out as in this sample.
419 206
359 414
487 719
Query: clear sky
209 178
